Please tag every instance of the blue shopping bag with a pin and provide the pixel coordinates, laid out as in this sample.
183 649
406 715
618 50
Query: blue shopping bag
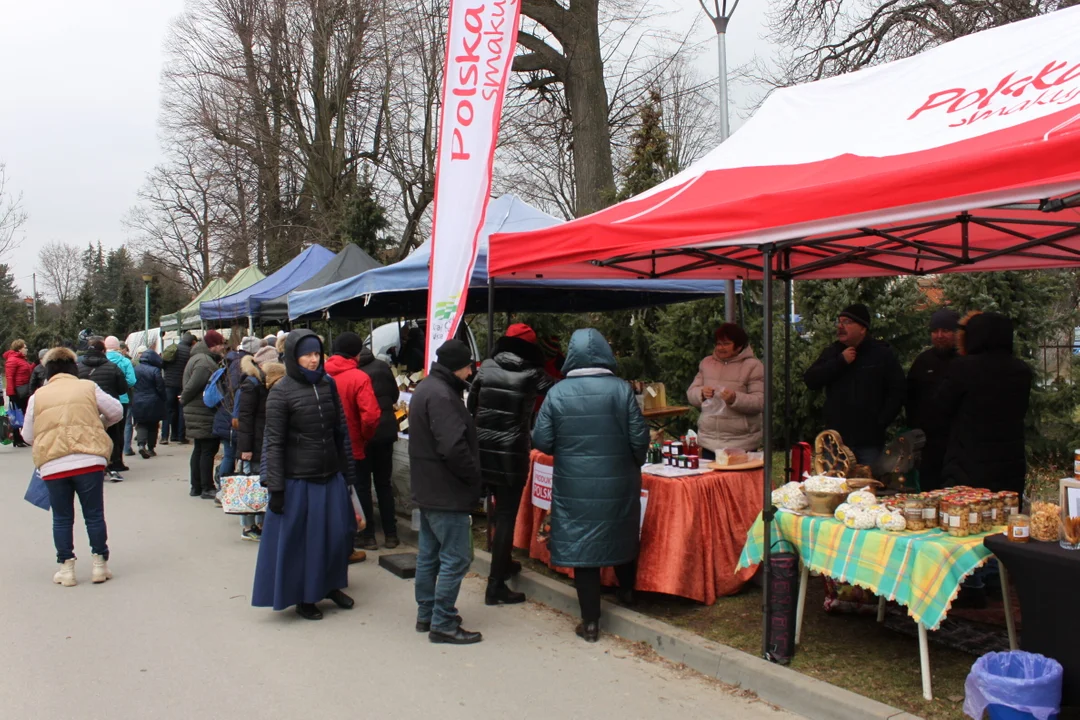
15 416
36 492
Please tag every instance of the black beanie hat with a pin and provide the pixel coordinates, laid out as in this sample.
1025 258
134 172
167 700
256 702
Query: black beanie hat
945 319
454 355
859 313
348 344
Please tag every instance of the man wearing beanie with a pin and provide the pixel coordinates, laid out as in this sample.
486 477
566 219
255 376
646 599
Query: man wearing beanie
923 381
362 410
863 382
502 401
445 473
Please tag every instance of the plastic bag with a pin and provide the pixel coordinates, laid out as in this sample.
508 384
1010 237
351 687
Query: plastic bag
1020 680
713 406
37 494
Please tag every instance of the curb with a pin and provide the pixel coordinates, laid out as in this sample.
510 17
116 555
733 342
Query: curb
773 683
776 684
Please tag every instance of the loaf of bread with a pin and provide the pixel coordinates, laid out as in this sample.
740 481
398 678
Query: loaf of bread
731 456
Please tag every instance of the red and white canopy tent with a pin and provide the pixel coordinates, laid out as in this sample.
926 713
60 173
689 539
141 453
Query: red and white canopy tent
963 158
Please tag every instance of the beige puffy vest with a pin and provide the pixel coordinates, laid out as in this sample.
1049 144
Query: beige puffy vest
67 421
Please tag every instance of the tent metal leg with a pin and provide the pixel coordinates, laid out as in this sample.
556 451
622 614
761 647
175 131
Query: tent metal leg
787 378
766 507
491 318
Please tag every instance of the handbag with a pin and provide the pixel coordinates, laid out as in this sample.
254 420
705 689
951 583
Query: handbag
37 494
243 494
22 392
15 416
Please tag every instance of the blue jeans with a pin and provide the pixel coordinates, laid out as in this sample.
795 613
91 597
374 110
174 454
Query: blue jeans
174 416
88 487
441 564
228 461
129 425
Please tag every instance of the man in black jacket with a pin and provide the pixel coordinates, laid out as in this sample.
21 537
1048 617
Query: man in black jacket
923 380
863 382
174 385
502 402
445 474
378 462
110 378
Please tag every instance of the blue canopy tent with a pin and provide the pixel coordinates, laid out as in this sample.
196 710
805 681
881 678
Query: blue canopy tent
248 302
400 290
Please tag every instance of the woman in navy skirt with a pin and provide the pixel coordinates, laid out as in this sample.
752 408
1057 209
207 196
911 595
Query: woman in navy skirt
307 537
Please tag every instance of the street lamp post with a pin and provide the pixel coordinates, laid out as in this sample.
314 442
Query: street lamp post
720 15
146 278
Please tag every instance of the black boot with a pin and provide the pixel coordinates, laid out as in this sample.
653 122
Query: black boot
588 631
499 594
309 611
340 599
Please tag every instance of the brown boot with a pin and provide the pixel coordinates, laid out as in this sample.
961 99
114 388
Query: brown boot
358 556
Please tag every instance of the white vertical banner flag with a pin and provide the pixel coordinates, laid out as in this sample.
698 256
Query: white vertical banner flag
479 50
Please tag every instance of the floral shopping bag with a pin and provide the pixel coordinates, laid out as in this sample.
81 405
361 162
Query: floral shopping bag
243 495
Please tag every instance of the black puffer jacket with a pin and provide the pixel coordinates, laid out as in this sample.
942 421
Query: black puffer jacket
306 436
502 401
386 392
198 419
861 398
37 378
985 397
444 457
174 369
251 410
93 365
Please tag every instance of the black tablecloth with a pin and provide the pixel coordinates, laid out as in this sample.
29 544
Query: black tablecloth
1047 581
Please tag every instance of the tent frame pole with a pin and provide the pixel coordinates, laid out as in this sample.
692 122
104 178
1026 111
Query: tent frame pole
787 366
766 507
491 318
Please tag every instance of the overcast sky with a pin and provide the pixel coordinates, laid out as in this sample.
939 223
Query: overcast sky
79 91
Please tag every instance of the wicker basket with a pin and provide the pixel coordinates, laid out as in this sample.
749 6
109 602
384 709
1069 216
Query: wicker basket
824 504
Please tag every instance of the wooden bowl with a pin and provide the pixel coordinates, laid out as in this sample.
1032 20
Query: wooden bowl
824 504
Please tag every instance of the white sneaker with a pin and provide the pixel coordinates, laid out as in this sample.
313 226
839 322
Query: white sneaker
101 572
66 574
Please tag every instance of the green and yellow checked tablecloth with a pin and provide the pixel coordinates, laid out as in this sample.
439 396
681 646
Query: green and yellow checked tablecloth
921 570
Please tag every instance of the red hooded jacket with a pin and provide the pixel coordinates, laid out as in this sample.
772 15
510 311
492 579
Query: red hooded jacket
357 399
16 371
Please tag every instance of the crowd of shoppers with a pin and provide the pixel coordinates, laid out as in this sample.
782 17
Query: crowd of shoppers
315 427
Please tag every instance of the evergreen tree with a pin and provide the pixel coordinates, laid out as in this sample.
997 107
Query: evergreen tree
12 313
365 221
650 151
128 316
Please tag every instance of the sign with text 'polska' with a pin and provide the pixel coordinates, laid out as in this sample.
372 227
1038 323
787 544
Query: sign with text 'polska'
479 50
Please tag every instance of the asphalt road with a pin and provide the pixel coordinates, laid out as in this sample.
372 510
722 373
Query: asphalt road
173 635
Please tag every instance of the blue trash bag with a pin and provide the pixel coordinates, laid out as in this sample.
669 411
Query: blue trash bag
1022 681
37 494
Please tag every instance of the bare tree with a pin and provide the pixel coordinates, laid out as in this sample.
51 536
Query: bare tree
61 269
12 215
175 220
282 83
822 38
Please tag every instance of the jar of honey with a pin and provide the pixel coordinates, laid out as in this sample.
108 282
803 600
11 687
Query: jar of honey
1019 529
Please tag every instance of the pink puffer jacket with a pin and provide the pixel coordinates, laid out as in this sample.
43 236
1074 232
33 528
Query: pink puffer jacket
739 425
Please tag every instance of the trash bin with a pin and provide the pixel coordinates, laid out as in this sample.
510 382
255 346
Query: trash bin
1017 684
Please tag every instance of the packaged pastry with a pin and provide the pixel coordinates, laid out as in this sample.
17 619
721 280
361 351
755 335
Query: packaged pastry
731 457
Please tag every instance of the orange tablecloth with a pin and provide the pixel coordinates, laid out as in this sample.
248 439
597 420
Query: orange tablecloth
694 531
